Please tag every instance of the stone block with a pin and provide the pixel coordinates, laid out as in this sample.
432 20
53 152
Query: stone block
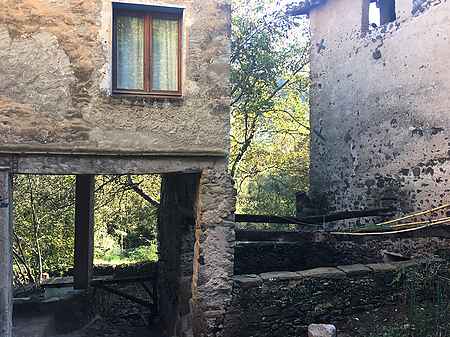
355 269
381 267
280 276
248 281
323 272
321 330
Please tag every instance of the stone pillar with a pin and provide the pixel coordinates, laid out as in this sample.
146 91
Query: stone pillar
6 275
84 230
176 227
214 252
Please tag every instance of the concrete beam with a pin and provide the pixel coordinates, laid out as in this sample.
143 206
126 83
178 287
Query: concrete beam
6 275
84 230
66 164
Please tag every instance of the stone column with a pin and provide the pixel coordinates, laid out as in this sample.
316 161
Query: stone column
6 275
84 230
214 252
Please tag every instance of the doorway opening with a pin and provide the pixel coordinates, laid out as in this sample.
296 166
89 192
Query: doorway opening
116 247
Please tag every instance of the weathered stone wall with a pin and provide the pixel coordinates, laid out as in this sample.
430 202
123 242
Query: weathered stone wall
283 304
328 251
57 116
55 70
176 237
380 106
214 252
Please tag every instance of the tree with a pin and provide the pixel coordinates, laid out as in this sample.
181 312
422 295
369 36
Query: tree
44 221
270 126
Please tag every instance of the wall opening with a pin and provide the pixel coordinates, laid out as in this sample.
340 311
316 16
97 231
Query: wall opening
380 12
142 252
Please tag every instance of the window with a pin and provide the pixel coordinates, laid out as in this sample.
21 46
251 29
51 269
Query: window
146 51
381 12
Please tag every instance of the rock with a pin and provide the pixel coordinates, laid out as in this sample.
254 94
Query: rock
321 330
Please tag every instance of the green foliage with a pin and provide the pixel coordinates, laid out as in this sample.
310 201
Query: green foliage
270 124
44 231
125 223
140 254
120 210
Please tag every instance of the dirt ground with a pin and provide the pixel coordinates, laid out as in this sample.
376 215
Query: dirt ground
100 327
371 323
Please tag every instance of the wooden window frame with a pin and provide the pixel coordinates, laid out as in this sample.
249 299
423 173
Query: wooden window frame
148 17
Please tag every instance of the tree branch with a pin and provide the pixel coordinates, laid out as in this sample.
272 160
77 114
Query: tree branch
140 192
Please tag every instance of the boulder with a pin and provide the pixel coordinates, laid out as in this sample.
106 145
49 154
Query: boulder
321 330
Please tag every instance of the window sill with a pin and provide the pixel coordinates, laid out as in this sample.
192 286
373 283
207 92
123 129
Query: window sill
137 94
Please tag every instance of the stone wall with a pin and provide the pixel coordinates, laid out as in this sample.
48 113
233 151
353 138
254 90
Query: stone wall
283 304
325 250
214 252
380 106
176 237
55 93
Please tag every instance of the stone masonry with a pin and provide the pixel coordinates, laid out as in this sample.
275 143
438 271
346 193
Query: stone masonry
58 116
284 304
380 106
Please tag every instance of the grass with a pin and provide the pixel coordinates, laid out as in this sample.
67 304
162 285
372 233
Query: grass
427 297
129 256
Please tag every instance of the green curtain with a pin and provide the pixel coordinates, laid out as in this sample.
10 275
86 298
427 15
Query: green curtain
130 52
165 55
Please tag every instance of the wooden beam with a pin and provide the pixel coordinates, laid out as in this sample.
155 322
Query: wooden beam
6 275
84 230
312 220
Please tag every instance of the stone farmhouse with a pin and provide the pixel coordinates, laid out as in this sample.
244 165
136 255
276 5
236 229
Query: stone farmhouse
93 87
379 103
104 87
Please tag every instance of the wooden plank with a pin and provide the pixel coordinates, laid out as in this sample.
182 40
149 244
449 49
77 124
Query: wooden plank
84 230
312 220
6 277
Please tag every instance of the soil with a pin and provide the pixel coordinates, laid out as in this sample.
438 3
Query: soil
371 323
100 327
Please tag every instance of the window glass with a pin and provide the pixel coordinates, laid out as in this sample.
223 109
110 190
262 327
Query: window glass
130 52
165 55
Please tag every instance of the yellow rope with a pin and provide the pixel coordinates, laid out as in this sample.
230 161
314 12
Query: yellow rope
413 215
419 222
391 232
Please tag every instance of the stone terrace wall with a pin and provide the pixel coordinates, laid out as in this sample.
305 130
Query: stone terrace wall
310 250
283 304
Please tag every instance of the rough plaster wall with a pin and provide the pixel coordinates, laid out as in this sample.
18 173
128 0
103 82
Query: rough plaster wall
55 60
380 102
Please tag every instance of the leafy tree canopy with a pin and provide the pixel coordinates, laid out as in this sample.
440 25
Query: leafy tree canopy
270 126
